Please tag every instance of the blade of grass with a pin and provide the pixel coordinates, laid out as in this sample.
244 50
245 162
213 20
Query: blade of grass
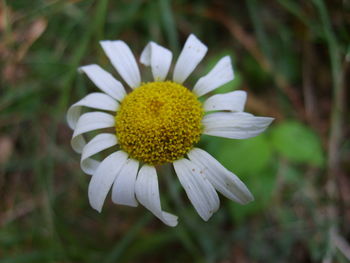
181 230
337 120
168 24
29 257
296 10
47 166
150 244
254 12
118 251
80 51
127 17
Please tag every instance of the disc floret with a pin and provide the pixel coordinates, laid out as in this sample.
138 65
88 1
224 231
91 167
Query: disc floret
159 122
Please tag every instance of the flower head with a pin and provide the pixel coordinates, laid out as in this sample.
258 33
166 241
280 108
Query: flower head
160 122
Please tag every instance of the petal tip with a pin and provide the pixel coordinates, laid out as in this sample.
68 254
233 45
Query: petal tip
82 68
248 198
206 217
96 207
103 42
173 224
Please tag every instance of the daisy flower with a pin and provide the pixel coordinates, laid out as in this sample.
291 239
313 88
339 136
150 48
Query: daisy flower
160 122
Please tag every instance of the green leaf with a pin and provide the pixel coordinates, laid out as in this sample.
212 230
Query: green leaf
231 85
262 187
248 156
297 143
252 161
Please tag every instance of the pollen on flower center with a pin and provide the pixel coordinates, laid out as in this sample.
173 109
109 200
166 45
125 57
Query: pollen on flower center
159 122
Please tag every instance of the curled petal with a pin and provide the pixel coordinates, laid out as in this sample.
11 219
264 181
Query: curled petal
103 178
222 179
89 122
96 100
147 192
123 60
197 187
124 185
235 125
159 58
218 76
104 81
191 55
231 101
99 143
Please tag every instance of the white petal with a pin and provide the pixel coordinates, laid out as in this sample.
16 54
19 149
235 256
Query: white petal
198 189
231 101
88 122
99 143
124 185
147 192
235 125
123 60
159 58
103 178
192 53
218 76
222 179
96 100
104 81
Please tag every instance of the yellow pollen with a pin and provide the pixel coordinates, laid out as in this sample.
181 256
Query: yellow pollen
159 122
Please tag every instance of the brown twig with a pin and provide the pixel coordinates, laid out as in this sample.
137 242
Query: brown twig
18 211
311 112
249 43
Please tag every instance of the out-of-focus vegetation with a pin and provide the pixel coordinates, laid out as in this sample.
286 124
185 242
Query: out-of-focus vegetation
292 56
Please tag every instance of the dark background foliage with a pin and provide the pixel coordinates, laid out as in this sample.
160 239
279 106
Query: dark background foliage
292 57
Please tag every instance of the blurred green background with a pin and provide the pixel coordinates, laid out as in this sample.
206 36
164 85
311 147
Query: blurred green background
292 56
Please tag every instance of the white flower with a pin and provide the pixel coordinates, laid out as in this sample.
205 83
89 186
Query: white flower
160 122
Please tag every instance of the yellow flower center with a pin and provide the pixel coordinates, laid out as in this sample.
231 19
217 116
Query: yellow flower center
159 122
